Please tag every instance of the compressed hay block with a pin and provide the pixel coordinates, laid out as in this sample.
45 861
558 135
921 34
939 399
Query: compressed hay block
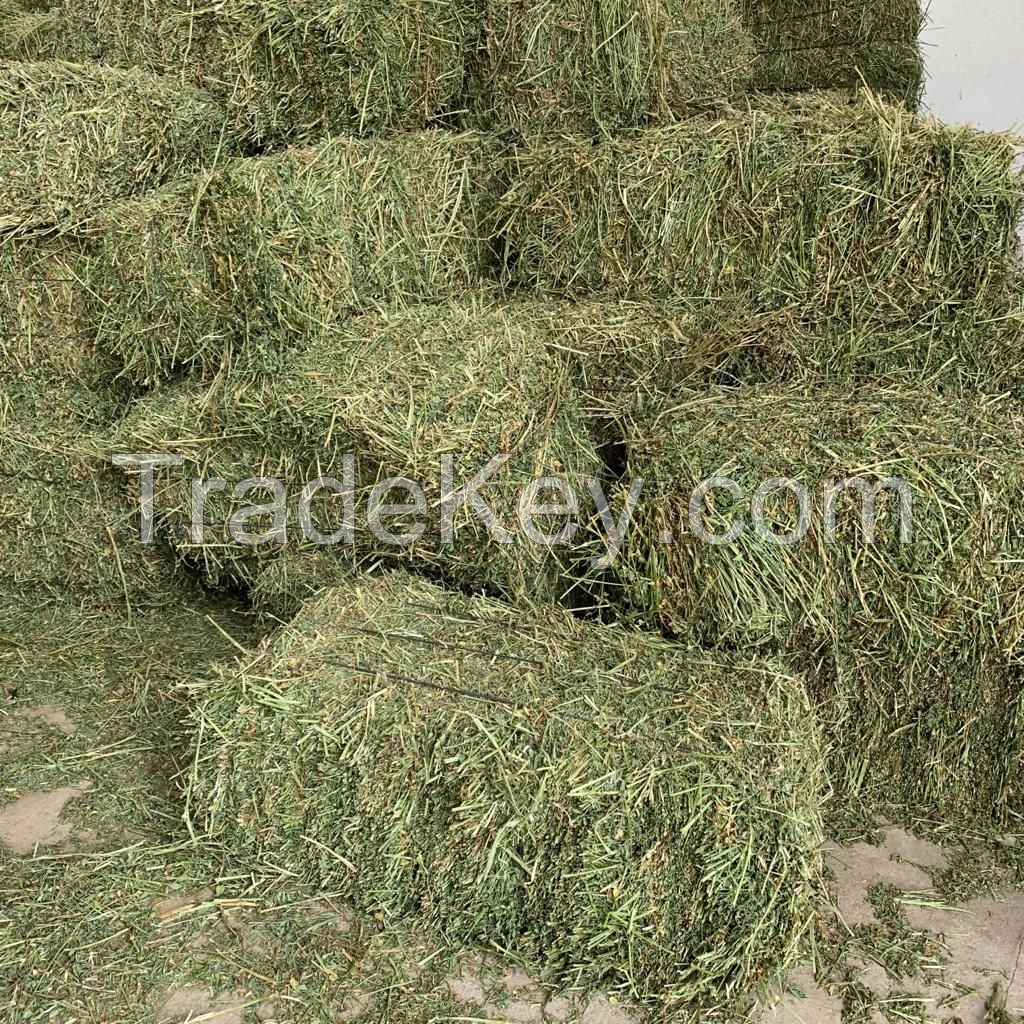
842 43
63 524
241 265
355 66
921 739
633 352
53 380
911 643
287 72
614 810
118 33
399 391
945 584
858 212
77 138
604 65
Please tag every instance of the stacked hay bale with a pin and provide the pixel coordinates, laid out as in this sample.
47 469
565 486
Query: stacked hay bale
78 138
297 72
603 803
75 140
64 526
827 44
893 576
610 805
243 264
286 72
784 271
470 382
840 219
596 66
634 352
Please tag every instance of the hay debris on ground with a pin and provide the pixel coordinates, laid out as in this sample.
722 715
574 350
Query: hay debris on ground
591 66
595 801
399 390
856 212
239 266
79 138
913 640
829 44
287 72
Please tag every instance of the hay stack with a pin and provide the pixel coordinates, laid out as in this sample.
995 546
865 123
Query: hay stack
594 65
908 644
829 44
399 390
243 264
286 71
78 138
847 212
599 803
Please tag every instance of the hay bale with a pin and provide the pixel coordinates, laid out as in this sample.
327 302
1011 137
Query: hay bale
80 138
961 461
926 739
841 43
588 65
54 380
287 72
860 213
245 263
634 352
888 628
63 525
399 390
603 805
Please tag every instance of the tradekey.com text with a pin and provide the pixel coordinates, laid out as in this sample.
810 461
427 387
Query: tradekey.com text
548 511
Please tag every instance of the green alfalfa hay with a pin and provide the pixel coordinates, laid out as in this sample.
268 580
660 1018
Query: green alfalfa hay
949 589
239 266
401 391
63 525
286 71
601 804
604 65
912 649
370 66
20 21
55 382
849 209
813 44
932 739
634 352
80 138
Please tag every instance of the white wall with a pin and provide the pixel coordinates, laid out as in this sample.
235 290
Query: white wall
975 57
